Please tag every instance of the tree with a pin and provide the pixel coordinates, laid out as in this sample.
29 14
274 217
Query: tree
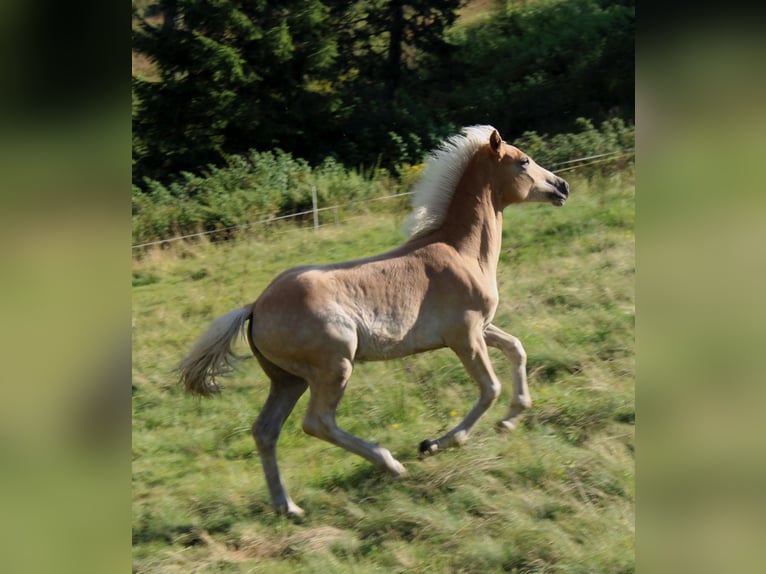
368 82
234 75
389 47
543 65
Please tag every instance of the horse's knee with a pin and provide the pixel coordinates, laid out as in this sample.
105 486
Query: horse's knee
520 352
516 351
490 393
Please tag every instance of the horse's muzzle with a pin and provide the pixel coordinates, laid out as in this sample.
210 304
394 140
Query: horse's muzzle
562 191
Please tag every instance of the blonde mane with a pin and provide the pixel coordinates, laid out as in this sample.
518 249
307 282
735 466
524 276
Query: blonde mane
432 193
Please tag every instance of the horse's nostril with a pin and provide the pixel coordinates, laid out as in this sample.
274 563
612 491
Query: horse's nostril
563 187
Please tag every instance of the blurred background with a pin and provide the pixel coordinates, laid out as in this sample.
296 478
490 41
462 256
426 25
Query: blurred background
701 138
373 84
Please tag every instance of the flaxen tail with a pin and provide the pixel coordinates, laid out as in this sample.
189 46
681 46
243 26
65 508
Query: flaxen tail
212 354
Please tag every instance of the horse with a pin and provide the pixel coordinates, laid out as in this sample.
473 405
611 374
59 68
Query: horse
310 326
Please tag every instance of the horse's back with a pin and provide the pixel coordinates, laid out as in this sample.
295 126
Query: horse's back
387 306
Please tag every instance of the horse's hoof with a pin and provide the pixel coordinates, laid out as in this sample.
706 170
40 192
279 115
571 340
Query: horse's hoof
295 512
427 448
394 468
505 426
290 510
399 471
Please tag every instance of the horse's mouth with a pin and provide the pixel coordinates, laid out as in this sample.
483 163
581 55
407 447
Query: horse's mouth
560 193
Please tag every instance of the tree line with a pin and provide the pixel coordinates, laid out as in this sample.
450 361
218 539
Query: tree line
369 82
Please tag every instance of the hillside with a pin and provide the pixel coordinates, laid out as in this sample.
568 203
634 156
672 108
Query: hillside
557 495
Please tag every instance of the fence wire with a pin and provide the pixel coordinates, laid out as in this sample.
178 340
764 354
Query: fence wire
585 162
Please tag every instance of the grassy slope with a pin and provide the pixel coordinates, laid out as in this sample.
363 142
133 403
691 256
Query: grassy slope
555 496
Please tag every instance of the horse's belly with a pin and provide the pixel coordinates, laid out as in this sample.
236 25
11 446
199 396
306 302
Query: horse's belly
394 351
393 337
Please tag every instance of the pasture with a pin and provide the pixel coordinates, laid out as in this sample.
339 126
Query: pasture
556 495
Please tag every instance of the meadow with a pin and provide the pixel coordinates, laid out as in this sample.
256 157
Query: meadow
555 496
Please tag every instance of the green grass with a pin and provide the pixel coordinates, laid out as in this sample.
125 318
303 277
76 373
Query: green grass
557 495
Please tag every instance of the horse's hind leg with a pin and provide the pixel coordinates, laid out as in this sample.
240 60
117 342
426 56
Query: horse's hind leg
512 348
285 392
327 389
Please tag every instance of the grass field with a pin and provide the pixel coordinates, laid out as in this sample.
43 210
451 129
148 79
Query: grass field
557 495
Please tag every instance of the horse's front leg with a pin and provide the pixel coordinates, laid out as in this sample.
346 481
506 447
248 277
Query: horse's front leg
511 347
475 358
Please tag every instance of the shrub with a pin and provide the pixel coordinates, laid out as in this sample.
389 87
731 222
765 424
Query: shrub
612 136
248 188
261 185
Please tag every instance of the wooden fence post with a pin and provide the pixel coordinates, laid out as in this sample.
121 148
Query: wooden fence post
314 204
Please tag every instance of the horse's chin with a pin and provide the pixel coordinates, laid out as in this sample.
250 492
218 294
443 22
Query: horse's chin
559 201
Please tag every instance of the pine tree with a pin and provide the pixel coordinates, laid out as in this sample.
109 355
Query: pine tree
388 48
234 75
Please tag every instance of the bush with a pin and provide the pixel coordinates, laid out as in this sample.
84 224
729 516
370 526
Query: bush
248 188
262 185
540 65
612 136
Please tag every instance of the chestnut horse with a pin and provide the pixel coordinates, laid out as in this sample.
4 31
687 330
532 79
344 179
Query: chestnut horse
439 289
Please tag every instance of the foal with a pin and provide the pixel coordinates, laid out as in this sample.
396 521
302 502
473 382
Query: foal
439 289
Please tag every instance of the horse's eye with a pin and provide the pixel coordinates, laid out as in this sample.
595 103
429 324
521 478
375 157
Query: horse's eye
525 162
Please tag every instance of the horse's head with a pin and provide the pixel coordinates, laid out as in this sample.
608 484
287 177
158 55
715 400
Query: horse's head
519 179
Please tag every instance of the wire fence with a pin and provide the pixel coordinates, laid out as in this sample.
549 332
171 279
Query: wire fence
610 154
604 157
580 163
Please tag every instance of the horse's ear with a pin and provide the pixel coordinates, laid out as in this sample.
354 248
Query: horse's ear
494 141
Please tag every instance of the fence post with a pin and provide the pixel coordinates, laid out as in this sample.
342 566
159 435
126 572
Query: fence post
314 204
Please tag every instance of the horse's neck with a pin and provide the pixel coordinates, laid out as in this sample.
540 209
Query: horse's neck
474 221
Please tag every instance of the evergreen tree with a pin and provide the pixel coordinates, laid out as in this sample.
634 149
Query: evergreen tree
367 81
383 39
234 75
389 46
